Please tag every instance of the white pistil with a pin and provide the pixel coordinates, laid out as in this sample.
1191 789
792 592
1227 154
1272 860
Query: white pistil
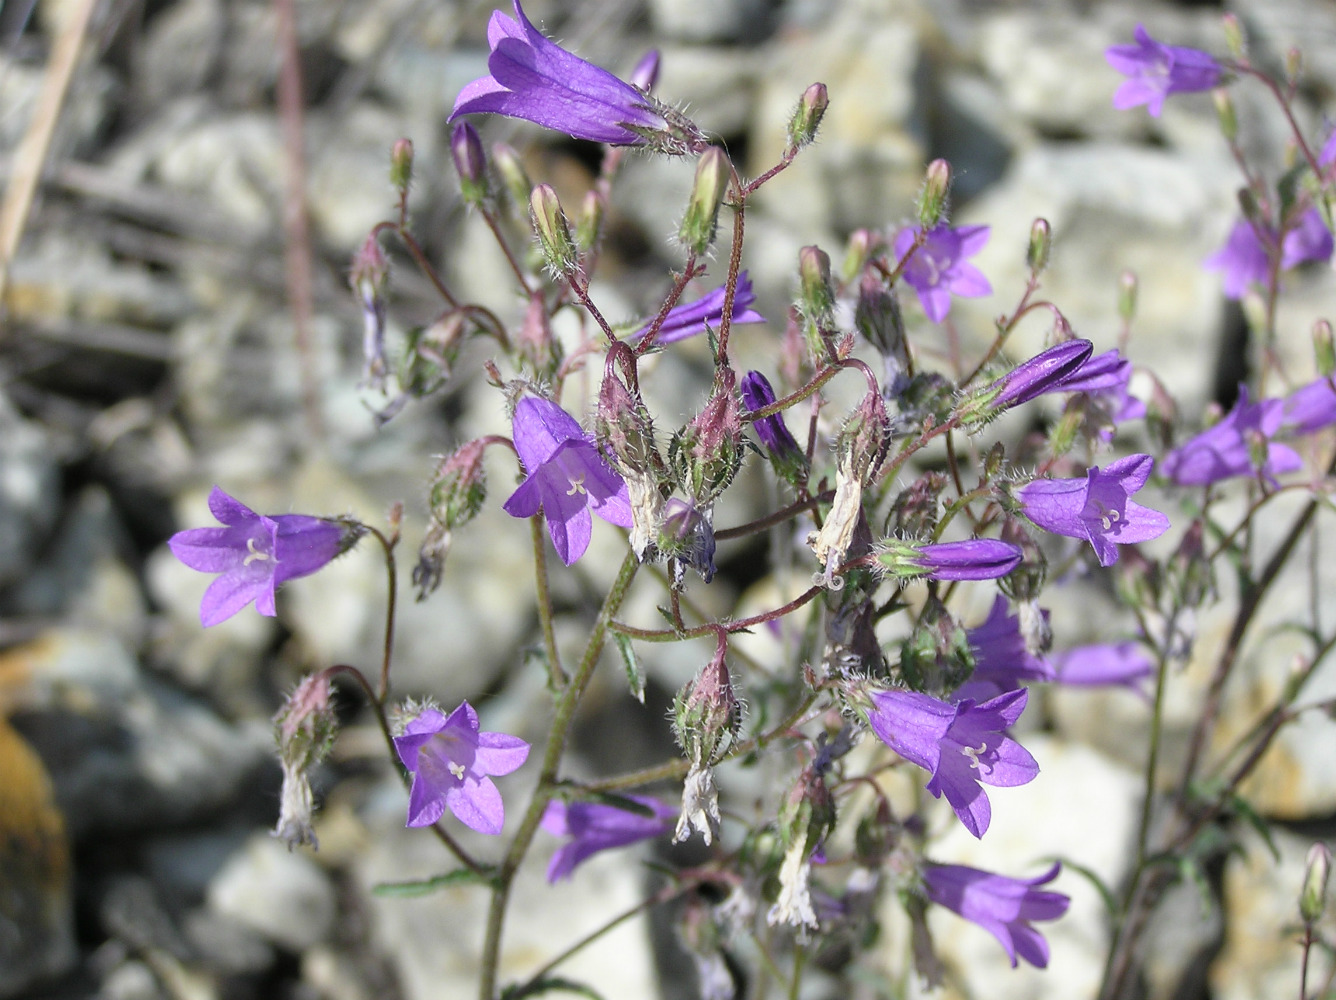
456 769
255 555
973 754
577 486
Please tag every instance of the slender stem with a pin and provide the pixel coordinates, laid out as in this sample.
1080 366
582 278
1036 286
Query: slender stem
1303 964
556 675
740 625
391 605
505 249
770 520
679 286
581 291
567 702
420 258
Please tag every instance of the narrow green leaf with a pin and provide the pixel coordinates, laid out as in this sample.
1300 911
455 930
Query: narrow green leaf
635 675
548 984
461 876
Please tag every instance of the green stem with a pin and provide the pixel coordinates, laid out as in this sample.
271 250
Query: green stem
556 675
567 702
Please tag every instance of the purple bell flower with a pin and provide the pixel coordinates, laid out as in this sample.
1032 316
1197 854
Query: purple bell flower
685 321
596 826
1223 451
1245 258
533 78
451 762
254 554
1154 71
1000 905
1097 507
567 477
961 744
1001 657
1121 664
938 268
1310 408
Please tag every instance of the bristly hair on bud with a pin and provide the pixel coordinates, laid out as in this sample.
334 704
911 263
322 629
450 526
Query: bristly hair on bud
807 117
553 232
1041 243
304 730
932 204
623 424
705 455
701 221
456 495
1324 353
401 167
706 719
859 450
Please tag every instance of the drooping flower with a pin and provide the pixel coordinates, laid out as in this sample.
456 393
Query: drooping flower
1245 258
533 78
972 559
1154 71
1002 658
254 554
789 459
685 321
451 763
1226 449
1310 407
596 826
1000 905
961 744
567 476
1124 664
938 268
1097 507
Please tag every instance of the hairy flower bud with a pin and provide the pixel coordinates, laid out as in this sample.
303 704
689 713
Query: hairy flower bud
1224 111
1127 296
1041 243
1317 869
878 318
933 198
624 425
455 496
862 242
470 162
514 177
701 220
589 223
788 459
686 539
553 231
704 456
817 294
807 116
706 720
401 166
1235 40
1323 351
937 657
368 277
304 730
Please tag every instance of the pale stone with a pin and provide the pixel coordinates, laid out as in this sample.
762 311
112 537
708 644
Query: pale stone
282 895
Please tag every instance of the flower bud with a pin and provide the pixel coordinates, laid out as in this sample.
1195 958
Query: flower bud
554 232
1043 373
1224 111
788 459
706 720
623 424
806 816
1235 40
1323 352
368 277
878 318
470 162
937 657
589 223
858 252
817 293
1127 296
304 730
455 496
1313 898
514 177
401 166
534 340
973 559
932 199
701 220
1254 312
807 116
1294 64
646 73
704 456
1041 242
686 539
1024 583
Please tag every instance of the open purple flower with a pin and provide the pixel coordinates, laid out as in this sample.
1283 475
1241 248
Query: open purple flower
1097 507
1224 451
254 554
567 477
451 761
1122 664
533 78
1001 657
1245 258
1154 71
938 268
961 744
1000 905
685 321
1310 407
596 826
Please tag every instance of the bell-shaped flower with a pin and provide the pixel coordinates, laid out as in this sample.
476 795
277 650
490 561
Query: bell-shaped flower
1002 659
1310 407
598 826
254 554
533 78
964 745
687 320
1119 664
451 762
1097 507
971 559
567 477
1245 259
1226 449
938 268
1155 70
1002 906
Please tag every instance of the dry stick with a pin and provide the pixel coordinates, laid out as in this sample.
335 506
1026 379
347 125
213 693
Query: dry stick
296 224
32 151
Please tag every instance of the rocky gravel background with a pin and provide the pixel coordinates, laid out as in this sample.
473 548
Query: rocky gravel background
148 351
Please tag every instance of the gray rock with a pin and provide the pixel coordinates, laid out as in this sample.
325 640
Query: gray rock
29 491
282 895
709 20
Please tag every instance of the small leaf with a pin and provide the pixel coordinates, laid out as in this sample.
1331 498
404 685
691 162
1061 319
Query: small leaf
408 890
548 985
1105 893
635 675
